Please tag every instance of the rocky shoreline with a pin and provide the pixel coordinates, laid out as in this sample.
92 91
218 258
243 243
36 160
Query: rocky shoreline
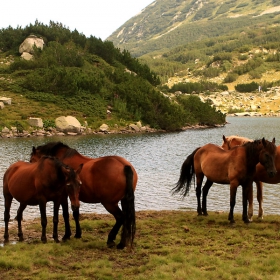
13 133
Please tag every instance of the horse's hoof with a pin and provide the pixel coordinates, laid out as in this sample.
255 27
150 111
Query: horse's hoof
246 221
120 246
205 214
44 240
65 238
56 240
232 222
111 244
21 239
77 236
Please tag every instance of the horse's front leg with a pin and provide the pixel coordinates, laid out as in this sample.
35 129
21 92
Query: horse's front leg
44 221
245 190
76 215
8 201
250 201
56 205
259 185
19 219
233 189
65 213
199 180
205 191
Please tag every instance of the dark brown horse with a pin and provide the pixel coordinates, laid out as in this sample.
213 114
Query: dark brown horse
107 180
36 184
260 176
235 167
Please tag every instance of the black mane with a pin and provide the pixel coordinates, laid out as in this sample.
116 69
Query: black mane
52 148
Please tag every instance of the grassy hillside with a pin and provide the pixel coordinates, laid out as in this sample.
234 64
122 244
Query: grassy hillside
165 24
85 77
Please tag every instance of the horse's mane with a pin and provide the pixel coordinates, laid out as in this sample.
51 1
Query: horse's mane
58 167
51 149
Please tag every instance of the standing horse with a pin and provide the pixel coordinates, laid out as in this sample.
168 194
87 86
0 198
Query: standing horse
36 184
106 180
235 167
260 176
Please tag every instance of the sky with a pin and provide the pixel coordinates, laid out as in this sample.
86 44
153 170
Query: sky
99 18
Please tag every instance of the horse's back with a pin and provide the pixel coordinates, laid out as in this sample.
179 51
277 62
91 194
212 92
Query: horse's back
217 164
104 179
19 181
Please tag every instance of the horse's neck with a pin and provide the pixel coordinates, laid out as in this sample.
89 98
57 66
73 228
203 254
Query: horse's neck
75 160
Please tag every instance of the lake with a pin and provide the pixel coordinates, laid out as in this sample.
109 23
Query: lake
157 158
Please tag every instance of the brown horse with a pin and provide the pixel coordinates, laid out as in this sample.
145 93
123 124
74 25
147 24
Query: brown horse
260 176
36 184
235 167
107 180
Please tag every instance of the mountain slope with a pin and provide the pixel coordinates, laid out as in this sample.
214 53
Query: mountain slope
165 24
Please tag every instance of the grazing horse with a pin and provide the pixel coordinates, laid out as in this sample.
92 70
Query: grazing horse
107 180
36 184
260 176
235 167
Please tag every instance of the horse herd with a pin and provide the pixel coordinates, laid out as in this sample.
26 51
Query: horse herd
56 172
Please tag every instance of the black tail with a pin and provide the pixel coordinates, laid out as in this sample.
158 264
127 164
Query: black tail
128 208
187 172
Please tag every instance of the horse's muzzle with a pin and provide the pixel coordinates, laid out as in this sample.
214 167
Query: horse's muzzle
271 173
75 208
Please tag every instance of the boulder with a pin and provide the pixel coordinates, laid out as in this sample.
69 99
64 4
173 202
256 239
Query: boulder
6 100
26 56
29 42
104 127
37 122
67 124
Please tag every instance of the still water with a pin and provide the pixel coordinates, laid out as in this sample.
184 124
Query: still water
157 159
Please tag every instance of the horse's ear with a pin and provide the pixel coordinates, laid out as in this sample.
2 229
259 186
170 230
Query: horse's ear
224 138
263 142
33 150
273 140
78 171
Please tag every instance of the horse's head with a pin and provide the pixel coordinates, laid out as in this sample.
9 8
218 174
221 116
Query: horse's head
35 155
267 156
233 141
73 185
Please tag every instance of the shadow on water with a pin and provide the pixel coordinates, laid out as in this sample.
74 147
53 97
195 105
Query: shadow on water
157 158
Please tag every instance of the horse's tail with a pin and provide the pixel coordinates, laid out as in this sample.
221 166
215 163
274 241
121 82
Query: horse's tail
128 208
187 172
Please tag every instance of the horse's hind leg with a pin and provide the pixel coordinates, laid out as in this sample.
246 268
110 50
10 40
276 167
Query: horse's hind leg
199 180
19 219
205 191
118 214
8 201
260 198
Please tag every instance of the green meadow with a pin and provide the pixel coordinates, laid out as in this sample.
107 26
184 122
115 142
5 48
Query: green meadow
168 245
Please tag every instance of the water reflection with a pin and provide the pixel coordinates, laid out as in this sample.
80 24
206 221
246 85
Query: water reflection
157 159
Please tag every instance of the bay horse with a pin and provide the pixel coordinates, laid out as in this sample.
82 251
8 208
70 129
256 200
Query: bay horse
36 184
261 175
107 180
235 167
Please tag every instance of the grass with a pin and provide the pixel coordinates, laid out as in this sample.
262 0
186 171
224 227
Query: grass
168 245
